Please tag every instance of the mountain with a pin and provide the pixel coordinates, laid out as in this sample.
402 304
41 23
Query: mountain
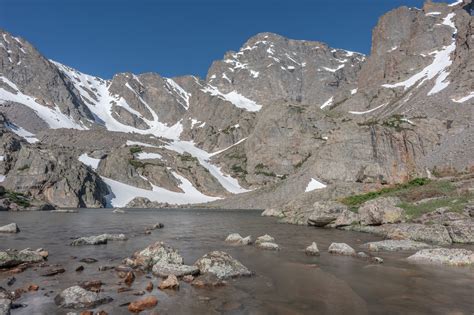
269 126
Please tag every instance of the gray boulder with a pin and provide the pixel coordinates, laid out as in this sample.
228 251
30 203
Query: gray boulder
76 297
395 245
163 270
157 253
264 239
98 239
9 228
5 306
462 231
312 250
12 258
341 249
444 256
347 217
237 239
273 212
325 212
222 265
268 245
380 211
435 233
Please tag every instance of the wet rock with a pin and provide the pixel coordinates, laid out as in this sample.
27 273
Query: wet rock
444 256
123 268
12 258
139 293
93 285
462 231
222 265
237 239
395 245
105 268
341 249
88 260
157 226
33 287
9 228
143 304
273 213
164 270
80 268
98 239
347 217
188 278
11 281
129 278
5 306
53 272
312 250
362 255
43 253
268 246
157 253
118 210
149 286
64 211
263 239
208 280
377 260
381 211
123 289
325 212
171 282
76 297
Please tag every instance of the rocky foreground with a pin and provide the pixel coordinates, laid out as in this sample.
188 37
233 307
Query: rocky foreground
167 270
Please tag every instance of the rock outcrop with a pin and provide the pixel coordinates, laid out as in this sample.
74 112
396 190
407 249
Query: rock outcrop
444 256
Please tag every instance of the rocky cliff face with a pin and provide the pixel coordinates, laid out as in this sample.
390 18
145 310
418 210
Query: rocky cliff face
281 117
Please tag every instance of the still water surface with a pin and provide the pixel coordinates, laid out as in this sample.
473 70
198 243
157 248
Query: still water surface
285 282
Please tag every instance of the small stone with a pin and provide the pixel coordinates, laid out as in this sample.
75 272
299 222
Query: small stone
80 268
11 281
53 272
105 268
149 286
143 304
123 289
10 228
377 260
33 287
312 250
341 249
170 283
129 278
363 255
188 278
88 260
268 245
139 293
93 286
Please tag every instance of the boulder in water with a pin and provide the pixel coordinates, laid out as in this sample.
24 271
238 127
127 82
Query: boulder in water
222 265
76 297
98 239
395 245
12 258
341 249
156 253
312 250
171 282
10 228
237 239
444 256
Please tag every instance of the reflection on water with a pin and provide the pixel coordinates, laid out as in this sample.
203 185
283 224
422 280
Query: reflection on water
285 282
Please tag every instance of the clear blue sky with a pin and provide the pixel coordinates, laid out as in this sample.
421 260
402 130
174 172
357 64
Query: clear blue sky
177 37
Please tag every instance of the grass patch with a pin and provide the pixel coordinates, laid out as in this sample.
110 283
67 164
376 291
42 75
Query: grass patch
456 204
238 169
24 167
356 200
300 163
18 198
188 158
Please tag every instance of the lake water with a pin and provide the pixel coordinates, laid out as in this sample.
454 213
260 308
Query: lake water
285 282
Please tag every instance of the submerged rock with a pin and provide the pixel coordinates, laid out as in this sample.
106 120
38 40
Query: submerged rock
143 304
381 211
10 228
171 282
12 258
165 270
222 265
157 253
395 245
264 239
444 256
98 239
77 297
312 250
237 239
268 245
208 280
341 249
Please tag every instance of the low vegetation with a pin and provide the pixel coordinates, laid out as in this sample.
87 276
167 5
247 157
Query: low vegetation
134 150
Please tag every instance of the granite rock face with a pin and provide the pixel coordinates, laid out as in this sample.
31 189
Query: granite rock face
271 118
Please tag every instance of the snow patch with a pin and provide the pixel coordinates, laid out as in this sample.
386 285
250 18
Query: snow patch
367 111
464 99
89 161
25 134
235 98
314 184
333 70
328 102
148 156
180 91
353 91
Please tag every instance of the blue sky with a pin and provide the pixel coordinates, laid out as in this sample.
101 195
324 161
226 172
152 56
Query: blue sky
177 37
